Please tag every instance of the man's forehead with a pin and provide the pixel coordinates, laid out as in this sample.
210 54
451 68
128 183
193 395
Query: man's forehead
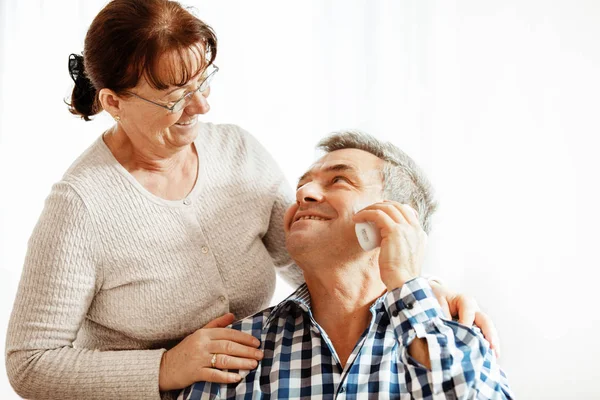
337 165
350 161
359 160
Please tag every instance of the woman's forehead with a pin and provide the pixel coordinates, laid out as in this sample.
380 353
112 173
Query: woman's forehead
176 68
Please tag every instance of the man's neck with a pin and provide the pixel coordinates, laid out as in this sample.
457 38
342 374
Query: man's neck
341 296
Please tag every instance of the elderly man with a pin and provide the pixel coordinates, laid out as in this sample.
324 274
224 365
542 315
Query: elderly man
365 324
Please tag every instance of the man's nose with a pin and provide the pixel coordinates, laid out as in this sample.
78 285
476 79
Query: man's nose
309 193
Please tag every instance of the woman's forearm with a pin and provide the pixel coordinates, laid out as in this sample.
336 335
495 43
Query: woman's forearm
68 373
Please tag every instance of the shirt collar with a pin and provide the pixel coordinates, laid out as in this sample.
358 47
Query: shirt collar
301 298
378 302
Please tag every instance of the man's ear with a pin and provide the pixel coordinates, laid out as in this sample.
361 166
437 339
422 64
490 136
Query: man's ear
111 102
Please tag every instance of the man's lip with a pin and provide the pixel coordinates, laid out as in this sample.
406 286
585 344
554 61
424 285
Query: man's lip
307 214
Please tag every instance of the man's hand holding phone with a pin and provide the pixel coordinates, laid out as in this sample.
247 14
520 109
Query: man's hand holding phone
403 240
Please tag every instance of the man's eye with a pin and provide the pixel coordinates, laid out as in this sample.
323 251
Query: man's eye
339 178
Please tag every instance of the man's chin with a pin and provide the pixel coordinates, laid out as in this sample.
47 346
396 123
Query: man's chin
298 244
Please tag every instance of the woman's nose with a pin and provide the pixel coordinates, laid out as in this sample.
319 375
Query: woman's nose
199 103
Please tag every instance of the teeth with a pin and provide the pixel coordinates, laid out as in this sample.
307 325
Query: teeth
311 217
190 122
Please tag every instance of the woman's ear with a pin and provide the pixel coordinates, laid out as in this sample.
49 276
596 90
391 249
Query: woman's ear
111 102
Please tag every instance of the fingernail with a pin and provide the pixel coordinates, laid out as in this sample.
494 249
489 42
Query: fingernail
494 347
259 355
236 378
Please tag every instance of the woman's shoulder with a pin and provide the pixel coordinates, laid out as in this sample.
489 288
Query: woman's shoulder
229 147
231 140
224 134
90 167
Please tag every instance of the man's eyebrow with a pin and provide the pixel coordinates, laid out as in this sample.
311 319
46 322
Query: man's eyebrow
332 168
303 177
341 167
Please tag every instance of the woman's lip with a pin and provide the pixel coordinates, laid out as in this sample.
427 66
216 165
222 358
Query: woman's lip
187 123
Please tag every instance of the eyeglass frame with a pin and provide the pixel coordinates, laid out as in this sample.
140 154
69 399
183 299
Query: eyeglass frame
203 86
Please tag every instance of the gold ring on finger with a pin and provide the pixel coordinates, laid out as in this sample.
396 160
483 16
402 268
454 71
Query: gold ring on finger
213 360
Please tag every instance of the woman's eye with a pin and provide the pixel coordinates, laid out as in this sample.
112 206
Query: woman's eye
176 96
186 94
173 100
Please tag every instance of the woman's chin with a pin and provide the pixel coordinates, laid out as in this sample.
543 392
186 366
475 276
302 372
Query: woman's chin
184 133
185 127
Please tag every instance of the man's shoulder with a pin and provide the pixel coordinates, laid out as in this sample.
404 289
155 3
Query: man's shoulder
253 323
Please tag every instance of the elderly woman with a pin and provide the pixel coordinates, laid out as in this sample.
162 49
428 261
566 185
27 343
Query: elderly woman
158 234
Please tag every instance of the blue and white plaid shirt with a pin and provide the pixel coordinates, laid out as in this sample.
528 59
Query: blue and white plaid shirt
300 362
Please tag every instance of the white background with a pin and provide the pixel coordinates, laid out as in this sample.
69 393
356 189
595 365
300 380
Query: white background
497 100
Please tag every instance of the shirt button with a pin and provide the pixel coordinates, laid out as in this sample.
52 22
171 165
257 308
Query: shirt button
204 249
395 313
409 306
187 202
222 299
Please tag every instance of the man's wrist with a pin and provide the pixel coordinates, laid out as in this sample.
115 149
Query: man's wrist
412 305
398 279
163 380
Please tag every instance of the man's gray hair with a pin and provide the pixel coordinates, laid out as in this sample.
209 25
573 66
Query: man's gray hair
403 180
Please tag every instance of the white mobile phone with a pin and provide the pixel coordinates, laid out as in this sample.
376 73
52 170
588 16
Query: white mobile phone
367 233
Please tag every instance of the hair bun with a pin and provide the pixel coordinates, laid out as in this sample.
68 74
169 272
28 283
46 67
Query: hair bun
84 93
75 66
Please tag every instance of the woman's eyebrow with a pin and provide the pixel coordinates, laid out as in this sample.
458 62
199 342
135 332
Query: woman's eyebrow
193 78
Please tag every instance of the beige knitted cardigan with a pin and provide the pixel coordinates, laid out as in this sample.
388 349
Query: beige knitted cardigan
114 275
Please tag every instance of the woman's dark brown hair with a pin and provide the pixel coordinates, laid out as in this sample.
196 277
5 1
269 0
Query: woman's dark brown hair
126 41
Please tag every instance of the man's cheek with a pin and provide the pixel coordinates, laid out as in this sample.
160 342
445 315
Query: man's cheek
289 216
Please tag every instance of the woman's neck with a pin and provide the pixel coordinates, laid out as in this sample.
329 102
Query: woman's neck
165 172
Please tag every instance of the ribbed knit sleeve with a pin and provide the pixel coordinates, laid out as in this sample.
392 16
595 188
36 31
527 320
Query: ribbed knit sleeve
275 238
60 278
283 197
